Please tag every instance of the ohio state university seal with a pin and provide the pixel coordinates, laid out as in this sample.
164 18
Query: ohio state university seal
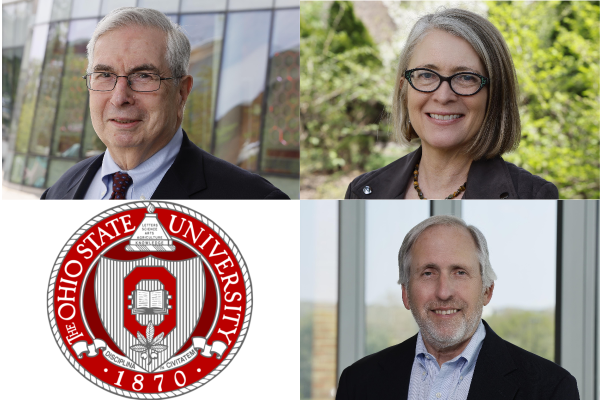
149 300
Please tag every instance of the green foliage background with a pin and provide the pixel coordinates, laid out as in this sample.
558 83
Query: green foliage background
343 91
346 90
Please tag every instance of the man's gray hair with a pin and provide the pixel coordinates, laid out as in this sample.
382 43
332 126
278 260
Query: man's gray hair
404 257
178 45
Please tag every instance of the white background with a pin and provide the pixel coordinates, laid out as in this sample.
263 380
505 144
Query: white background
34 232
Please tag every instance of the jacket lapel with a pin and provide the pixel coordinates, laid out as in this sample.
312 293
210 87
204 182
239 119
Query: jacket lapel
186 175
396 369
489 179
493 365
81 184
390 181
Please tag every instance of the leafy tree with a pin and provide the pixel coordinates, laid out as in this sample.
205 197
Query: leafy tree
530 330
554 46
344 88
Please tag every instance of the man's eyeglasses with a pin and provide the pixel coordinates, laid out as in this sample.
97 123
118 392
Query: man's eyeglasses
138 82
427 81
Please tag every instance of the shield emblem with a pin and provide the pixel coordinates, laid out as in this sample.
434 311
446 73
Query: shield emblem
149 307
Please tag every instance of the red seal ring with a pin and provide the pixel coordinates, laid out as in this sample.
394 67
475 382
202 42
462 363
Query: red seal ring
149 300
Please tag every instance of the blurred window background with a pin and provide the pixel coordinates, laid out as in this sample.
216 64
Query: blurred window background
531 244
243 106
522 243
350 52
387 321
318 299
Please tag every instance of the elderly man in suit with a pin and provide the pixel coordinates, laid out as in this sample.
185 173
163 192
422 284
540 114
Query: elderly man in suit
446 280
138 84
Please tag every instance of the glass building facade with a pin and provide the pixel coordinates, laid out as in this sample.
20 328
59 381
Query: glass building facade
243 108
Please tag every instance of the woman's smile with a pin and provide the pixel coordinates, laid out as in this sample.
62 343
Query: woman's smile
445 119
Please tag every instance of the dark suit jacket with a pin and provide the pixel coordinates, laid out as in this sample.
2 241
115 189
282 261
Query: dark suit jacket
195 174
487 179
503 371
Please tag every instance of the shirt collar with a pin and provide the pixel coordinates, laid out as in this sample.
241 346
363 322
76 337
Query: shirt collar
470 352
148 174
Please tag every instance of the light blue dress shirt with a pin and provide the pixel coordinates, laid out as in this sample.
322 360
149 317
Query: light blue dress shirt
451 381
146 176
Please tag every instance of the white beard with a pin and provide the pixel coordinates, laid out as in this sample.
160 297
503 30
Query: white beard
446 334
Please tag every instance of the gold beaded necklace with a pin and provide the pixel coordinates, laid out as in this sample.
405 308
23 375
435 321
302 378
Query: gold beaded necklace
418 189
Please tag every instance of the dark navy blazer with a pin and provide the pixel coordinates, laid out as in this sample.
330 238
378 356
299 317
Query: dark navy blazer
195 174
503 371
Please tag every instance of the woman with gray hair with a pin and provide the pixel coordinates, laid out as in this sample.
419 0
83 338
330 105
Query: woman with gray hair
456 91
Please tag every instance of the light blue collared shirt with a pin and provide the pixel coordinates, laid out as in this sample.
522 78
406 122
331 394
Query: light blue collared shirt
451 381
146 176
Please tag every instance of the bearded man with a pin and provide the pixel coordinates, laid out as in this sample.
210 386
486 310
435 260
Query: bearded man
446 279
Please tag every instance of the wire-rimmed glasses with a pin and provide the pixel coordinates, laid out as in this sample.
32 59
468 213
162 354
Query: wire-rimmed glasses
463 83
138 82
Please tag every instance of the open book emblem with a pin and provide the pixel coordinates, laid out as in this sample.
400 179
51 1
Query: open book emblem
150 302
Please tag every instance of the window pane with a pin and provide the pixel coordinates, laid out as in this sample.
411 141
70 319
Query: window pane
17 61
387 222
521 238
203 5
160 5
173 17
44 11
241 88
57 169
23 18
8 26
249 4
318 298
7 89
35 173
92 145
48 97
32 82
280 147
11 67
74 94
205 33
85 8
16 173
287 3
109 5
61 10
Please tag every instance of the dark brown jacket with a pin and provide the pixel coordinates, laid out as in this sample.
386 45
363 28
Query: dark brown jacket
487 179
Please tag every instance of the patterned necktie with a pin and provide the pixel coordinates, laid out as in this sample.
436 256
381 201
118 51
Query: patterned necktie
121 182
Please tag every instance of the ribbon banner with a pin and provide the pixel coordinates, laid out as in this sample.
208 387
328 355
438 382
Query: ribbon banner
199 343
121 361
208 350
91 350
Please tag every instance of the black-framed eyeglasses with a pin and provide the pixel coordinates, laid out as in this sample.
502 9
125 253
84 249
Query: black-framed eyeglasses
427 81
138 82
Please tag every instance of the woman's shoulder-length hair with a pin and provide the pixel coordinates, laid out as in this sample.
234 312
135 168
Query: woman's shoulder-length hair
500 131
